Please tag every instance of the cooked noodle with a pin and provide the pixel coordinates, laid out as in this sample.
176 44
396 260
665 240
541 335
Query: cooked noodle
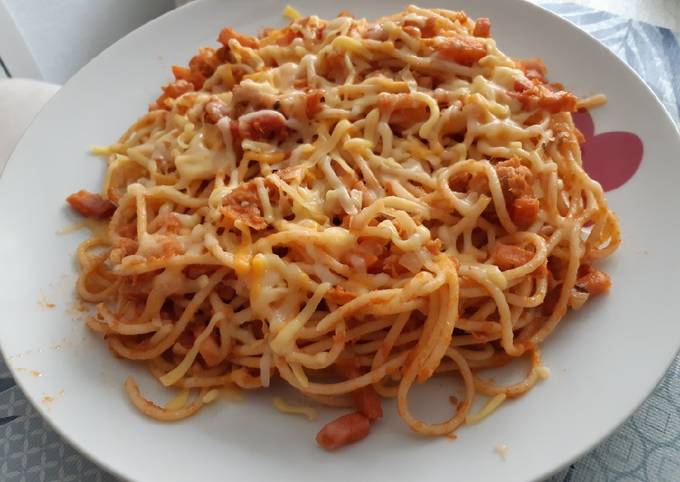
398 193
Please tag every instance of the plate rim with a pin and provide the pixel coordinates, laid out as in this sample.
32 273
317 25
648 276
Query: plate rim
103 463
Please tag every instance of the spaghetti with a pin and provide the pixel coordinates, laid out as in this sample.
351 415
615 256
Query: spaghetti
349 206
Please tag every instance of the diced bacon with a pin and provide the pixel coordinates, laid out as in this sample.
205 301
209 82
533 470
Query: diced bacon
177 88
243 204
415 29
459 181
263 125
594 281
482 27
462 50
168 248
128 230
174 90
215 110
205 62
524 211
515 179
182 73
522 84
170 223
403 109
245 40
542 97
343 431
430 29
560 101
286 36
91 205
334 67
425 81
339 295
368 403
534 69
508 256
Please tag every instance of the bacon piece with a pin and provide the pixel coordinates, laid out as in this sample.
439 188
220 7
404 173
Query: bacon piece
558 101
343 431
169 247
128 230
543 97
524 210
430 29
246 40
182 73
339 295
205 62
515 179
91 205
594 281
172 91
403 109
177 88
287 35
509 256
368 403
263 125
534 69
522 84
482 27
334 67
459 181
462 50
243 204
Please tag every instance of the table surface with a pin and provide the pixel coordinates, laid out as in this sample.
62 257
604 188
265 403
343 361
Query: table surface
645 448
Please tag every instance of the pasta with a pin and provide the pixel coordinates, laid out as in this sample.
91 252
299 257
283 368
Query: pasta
352 207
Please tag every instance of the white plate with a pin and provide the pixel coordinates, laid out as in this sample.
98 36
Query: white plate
604 359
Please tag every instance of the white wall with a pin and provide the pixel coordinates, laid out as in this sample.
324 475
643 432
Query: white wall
63 35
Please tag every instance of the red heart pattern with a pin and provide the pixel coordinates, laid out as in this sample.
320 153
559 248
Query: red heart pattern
611 158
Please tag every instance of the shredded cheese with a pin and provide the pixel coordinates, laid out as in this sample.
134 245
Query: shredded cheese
285 407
